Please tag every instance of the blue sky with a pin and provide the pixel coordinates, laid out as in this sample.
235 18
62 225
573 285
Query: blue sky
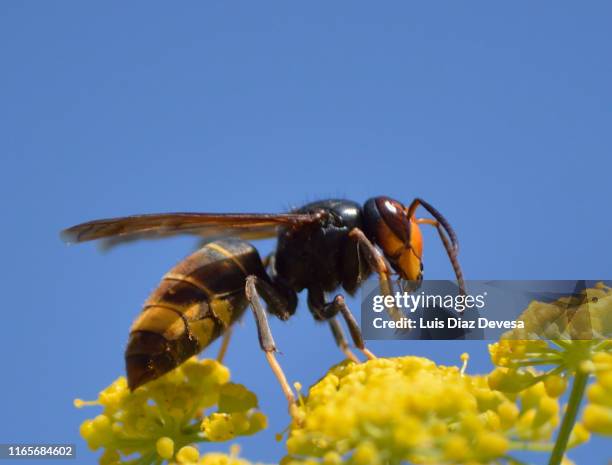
498 114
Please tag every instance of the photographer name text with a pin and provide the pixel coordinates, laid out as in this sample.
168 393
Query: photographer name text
447 323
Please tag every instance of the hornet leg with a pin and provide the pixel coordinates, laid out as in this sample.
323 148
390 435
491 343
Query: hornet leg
327 311
446 233
266 341
340 339
352 325
378 264
374 259
227 335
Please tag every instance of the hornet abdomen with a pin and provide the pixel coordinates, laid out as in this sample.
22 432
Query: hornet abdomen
196 301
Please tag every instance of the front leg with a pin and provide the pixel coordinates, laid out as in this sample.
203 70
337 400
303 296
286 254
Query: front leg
373 258
367 253
445 231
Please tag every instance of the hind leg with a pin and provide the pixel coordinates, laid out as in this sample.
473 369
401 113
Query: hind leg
227 335
340 339
266 341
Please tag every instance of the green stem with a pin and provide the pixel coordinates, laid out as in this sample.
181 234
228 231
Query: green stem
580 382
146 459
531 446
565 345
549 361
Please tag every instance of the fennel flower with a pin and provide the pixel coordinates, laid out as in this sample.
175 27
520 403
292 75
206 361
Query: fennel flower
567 338
389 411
162 419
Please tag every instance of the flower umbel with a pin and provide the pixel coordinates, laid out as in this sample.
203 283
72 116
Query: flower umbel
565 338
410 409
388 411
162 419
562 335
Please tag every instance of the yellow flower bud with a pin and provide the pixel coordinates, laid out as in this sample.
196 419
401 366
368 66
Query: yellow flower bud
87 429
597 394
530 397
492 419
490 445
240 422
102 422
605 380
258 421
598 419
579 435
187 454
218 427
555 385
165 447
456 448
366 454
332 458
508 414
525 424
548 408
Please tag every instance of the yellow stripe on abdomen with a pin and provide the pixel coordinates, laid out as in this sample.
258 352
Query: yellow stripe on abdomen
204 331
161 320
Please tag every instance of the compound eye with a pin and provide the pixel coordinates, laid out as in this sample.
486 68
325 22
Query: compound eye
393 214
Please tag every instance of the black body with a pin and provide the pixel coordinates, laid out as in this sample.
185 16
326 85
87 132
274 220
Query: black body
322 257
314 257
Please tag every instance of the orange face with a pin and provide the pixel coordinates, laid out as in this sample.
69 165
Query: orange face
400 238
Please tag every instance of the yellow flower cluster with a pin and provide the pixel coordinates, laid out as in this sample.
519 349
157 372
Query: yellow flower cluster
564 336
584 316
189 455
570 338
597 416
410 409
160 420
388 411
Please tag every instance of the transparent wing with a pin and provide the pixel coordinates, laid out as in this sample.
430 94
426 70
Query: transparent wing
114 231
